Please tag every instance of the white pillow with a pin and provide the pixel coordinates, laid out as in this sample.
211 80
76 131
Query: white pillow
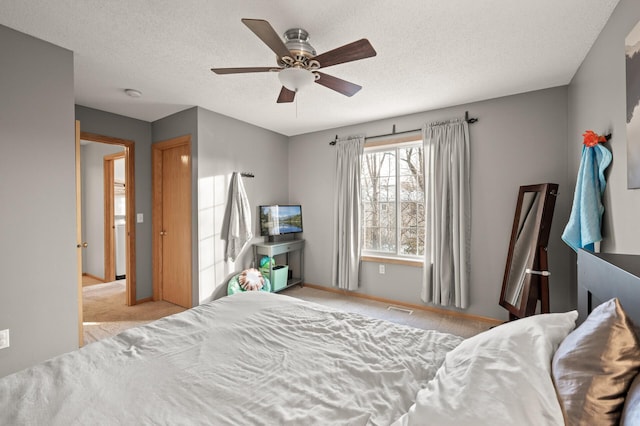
499 377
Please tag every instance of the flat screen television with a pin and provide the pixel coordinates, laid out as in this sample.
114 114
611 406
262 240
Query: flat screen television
280 219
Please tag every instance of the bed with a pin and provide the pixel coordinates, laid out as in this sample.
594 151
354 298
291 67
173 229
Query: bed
249 358
259 358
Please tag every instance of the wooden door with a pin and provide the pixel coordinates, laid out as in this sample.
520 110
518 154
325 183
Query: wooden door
172 221
79 242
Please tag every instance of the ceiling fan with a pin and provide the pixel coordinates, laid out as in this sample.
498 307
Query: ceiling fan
297 62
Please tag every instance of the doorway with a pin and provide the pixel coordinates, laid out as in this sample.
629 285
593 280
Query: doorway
108 258
171 169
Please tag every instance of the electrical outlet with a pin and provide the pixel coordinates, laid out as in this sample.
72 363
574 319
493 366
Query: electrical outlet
381 269
4 338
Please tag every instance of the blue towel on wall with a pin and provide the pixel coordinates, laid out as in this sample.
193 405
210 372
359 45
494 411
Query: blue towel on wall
583 228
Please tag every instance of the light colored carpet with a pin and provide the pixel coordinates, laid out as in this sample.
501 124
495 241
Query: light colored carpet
418 318
88 280
106 314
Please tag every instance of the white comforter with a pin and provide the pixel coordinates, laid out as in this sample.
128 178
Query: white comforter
251 358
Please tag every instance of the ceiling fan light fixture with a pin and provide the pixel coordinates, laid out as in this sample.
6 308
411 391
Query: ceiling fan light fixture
295 79
298 65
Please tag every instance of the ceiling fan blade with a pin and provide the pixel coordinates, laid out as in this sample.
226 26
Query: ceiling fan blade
349 52
338 84
286 95
242 70
268 35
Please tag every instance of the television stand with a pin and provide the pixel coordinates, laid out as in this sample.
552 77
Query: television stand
281 238
286 248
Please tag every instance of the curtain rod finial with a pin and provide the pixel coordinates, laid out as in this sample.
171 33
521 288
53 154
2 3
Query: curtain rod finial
469 120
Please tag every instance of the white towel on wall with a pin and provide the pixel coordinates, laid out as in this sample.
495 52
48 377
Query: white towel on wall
239 231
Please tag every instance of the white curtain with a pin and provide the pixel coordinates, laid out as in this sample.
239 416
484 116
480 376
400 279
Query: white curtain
447 214
346 244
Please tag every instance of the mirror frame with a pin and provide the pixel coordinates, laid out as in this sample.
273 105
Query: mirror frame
535 286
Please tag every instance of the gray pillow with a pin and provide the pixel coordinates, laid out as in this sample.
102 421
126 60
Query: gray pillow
594 366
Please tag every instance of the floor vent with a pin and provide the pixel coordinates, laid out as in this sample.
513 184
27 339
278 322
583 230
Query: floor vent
398 308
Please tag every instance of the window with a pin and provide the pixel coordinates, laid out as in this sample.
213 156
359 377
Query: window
392 179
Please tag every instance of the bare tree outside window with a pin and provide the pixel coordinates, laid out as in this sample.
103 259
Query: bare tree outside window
393 200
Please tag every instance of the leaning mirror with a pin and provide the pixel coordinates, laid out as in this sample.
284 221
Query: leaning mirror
526 276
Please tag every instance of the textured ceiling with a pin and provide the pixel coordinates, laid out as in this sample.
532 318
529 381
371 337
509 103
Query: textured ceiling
431 53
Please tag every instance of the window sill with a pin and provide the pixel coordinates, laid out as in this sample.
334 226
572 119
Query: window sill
392 260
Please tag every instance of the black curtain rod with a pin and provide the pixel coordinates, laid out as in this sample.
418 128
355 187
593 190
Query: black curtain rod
247 174
394 133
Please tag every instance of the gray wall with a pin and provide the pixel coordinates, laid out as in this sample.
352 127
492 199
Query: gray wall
39 286
597 101
118 126
226 145
92 166
220 146
518 140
